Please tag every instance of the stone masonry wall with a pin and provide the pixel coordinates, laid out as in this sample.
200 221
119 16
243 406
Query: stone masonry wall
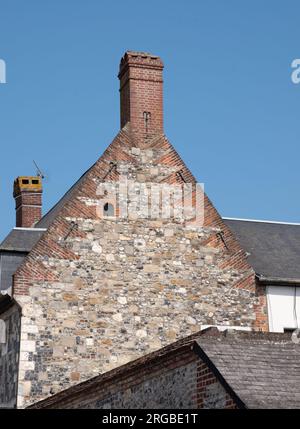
164 388
179 380
99 292
9 357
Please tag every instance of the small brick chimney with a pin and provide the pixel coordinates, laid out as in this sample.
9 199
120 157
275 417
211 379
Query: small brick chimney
28 196
141 94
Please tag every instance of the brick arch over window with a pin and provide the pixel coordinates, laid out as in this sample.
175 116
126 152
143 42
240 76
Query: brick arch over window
108 209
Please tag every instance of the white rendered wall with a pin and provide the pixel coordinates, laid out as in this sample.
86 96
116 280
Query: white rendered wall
283 308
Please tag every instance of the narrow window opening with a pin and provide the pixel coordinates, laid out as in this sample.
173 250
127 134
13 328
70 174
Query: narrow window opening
108 209
147 118
25 181
35 182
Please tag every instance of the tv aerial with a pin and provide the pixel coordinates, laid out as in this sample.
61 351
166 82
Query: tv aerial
39 172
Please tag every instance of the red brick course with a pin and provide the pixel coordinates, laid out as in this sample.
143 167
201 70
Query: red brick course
28 208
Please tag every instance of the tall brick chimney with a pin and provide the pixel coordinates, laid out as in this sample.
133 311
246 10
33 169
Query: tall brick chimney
28 196
141 94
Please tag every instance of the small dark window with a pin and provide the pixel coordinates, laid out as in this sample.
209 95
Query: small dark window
289 330
108 210
25 181
35 182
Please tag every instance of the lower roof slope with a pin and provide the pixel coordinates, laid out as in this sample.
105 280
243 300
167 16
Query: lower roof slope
13 251
261 369
273 248
21 239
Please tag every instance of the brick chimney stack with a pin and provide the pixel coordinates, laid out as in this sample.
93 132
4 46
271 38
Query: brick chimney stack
141 94
28 196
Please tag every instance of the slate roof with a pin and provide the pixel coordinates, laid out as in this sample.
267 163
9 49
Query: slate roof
21 239
273 248
13 250
259 369
263 369
9 263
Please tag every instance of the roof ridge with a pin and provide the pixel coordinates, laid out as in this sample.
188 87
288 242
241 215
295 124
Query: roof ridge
261 221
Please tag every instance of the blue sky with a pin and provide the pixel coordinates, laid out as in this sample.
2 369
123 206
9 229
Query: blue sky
231 109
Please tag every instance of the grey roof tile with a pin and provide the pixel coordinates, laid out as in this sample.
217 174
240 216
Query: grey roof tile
13 250
21 239
9 263
273 248
263 369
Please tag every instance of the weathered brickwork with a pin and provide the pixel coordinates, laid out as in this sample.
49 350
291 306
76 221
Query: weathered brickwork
28 199
261 306
9 357
141 94
98 291
178 380
210 392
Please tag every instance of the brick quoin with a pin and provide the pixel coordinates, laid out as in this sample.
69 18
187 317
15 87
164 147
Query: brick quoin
206 378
